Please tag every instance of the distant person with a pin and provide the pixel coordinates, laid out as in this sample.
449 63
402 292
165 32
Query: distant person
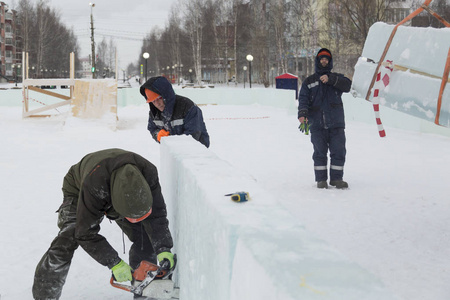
172 114
121 186
320 107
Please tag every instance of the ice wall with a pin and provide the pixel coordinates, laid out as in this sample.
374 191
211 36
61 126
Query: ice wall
250 250
421 49
357 109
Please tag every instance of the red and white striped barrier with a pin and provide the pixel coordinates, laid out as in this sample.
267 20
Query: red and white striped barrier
380 84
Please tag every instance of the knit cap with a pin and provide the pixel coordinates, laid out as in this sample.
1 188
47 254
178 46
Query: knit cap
130 193
324 53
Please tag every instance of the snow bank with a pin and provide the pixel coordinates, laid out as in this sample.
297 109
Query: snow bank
221 95
229 250
422 50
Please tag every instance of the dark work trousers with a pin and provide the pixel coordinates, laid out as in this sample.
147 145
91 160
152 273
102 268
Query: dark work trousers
52 269
332 140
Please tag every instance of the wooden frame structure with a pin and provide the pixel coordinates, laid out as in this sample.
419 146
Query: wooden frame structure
36 84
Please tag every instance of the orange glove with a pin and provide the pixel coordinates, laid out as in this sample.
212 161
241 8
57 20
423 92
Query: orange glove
162 133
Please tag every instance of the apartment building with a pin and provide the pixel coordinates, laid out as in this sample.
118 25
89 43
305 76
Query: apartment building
10 44
86 66
398 11
318 29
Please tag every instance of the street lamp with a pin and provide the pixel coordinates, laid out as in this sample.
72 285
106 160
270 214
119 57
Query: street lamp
13 66
245 69
92 41
18 70
176 73
273 76
172 77
250 59
190 75
146 56
181 73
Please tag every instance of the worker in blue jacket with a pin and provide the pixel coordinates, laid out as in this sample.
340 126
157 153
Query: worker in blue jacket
320 109
172 114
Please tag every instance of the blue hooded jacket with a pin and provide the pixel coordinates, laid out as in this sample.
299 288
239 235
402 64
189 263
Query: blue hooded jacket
321 102
180 116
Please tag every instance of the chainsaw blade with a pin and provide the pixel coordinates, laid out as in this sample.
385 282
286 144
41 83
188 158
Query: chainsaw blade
159 289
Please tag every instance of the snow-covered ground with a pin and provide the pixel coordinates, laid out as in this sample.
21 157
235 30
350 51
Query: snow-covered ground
393 220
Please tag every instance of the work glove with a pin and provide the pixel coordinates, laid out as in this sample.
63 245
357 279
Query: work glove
122 272
166 255
304 127
162 133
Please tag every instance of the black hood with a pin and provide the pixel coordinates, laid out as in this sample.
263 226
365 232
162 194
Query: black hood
163 87
318 67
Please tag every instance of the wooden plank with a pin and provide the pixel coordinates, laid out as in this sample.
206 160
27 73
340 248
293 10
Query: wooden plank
93 99
47 107
39 116
56 82
405 69
53 94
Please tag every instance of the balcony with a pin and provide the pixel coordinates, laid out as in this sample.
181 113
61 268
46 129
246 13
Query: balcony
8 35
9 16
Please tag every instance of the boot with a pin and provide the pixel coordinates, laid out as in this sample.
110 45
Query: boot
339 184
322 185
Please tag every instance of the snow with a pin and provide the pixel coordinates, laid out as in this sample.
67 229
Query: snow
393 221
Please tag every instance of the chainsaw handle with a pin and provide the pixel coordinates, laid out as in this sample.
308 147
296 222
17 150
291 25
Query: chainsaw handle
119 285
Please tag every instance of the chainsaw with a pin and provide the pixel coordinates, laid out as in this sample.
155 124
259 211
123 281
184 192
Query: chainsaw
150 280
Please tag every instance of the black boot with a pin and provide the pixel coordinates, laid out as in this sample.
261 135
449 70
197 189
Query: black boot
339 184
322 185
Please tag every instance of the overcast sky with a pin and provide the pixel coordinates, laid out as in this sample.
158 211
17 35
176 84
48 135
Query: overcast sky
126 21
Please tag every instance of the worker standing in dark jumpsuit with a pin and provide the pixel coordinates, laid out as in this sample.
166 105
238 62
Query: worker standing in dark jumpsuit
321 109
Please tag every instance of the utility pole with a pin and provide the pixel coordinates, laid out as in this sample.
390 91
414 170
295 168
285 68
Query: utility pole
94 69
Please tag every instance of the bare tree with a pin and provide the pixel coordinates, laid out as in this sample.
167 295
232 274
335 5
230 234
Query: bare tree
28 18
46 39
259 40
359 15
102 57
278 20
296 35
111 56
174 31
194 26
243 34
152 46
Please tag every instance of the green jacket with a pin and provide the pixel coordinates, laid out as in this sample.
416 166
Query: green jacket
88 185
